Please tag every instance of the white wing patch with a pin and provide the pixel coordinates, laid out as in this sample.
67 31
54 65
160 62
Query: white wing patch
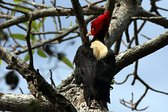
99 49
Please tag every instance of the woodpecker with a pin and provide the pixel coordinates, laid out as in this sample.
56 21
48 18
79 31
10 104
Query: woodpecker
95 63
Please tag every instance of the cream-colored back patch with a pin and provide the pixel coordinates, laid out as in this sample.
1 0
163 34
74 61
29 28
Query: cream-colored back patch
99 49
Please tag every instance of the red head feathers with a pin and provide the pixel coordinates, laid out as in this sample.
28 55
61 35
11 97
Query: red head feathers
100 24
99 28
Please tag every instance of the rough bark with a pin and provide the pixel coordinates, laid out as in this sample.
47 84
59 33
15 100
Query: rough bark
22 102
122 14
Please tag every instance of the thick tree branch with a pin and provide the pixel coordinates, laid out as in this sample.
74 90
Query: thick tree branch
21 103
123 13
36 83
131 55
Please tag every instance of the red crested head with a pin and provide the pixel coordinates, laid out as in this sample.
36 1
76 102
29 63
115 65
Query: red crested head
100 24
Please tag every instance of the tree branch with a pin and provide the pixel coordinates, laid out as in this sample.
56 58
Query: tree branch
45 13
131 55
31 65
77 9
161 21
22 102
123 12
36 83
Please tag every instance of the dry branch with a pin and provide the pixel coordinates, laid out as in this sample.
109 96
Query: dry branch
22 102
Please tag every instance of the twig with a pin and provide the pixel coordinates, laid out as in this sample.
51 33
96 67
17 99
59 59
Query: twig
91 4
21 90
77 9
123 42
120 83
140 99
51 78
162 21
16 5
12 9
127 35
117 46
149 87
69 38
36 5
48 32
29 43
59 23
41 33
135 73
162 9
148 18
130 104
136 33
10 33
145 37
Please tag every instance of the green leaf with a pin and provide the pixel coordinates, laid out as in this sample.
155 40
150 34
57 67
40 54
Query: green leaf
34 26
22 9
26 58
39 25
25 23
18 36
33 38
16 1
41 53
65 60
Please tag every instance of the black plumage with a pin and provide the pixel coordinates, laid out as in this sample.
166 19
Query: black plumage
95 73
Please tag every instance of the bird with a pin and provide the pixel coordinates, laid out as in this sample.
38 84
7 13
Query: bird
95 63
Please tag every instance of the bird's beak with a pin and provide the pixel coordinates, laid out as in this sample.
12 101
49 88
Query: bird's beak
89 33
